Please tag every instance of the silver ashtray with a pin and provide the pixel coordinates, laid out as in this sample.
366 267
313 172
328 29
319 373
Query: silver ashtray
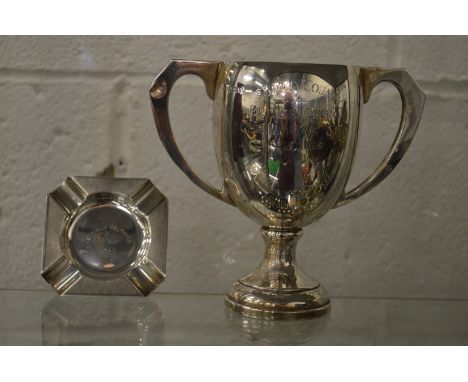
105 236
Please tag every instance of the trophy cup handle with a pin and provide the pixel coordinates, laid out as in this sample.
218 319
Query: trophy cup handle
159 93
412 99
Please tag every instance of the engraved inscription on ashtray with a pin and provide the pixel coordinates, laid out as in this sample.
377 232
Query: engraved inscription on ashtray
105 238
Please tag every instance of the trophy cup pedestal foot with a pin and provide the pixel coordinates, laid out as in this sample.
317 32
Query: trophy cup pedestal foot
271 304
278 289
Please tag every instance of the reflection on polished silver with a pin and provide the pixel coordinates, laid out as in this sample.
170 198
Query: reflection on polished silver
285 138
105 236
139 322
276 332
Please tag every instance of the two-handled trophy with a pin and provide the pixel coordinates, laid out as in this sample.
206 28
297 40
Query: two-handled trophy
285 136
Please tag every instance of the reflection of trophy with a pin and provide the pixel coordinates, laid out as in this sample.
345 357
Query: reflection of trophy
301 167
277 332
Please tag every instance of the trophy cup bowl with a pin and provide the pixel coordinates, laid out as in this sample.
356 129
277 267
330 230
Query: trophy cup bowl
285 135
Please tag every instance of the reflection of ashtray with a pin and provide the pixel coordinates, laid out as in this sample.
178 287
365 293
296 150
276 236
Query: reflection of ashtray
102 320
105 236
276 332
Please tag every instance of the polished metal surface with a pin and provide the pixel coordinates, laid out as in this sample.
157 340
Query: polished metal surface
285 138
43 318
105 236
252 295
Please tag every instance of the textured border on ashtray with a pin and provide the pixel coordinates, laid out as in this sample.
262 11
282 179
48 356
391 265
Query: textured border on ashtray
148 270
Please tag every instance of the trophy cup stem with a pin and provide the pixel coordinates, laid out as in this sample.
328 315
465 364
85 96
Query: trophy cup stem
278 288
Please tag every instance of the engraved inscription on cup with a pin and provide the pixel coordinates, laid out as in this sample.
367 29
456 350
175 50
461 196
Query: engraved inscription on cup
287 134
105 238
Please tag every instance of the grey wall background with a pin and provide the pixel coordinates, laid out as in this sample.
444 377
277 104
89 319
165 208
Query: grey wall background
72 105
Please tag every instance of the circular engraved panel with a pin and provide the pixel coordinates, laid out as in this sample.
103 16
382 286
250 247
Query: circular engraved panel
105 238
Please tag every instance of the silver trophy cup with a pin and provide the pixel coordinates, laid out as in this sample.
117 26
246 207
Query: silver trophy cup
285 136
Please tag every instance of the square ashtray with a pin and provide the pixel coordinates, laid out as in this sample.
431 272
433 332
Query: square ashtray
105 236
